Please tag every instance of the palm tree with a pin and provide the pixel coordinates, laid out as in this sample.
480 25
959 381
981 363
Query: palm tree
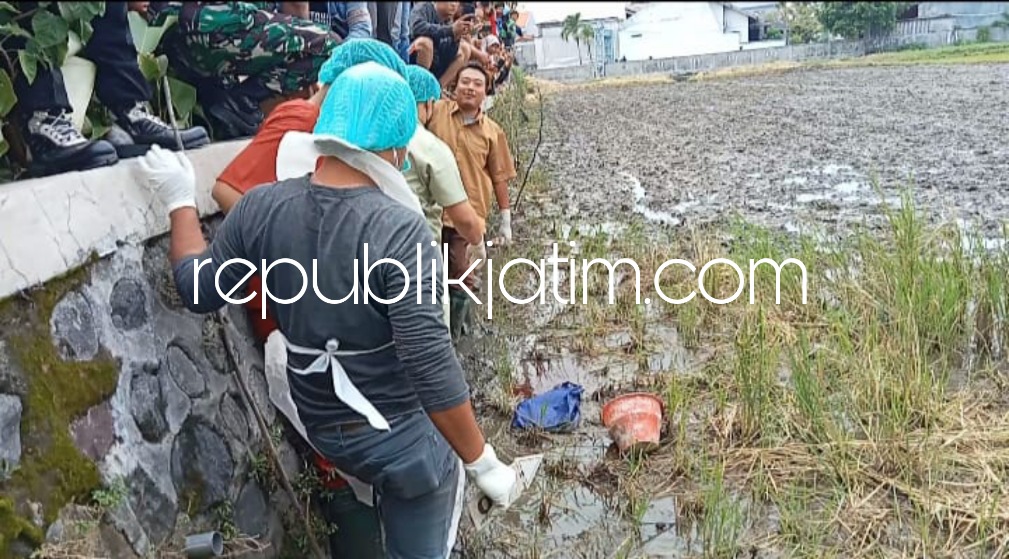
575 28
588 34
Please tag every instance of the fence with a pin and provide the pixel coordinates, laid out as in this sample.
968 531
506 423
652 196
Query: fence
756 56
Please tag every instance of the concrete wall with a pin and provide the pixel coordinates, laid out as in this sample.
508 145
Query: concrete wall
755 56
149 396
665 30
705 62
968 15
739 24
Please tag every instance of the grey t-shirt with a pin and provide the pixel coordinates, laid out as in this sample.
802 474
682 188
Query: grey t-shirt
297 220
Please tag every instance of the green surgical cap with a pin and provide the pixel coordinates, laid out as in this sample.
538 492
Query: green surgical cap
423 83
358 50
369 106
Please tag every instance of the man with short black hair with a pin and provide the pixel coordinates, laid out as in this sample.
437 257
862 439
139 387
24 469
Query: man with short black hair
439 43
485 163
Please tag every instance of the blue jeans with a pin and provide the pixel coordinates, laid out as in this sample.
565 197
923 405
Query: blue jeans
417 478
403 40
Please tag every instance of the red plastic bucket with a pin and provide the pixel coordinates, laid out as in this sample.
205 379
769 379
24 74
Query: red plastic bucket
634 421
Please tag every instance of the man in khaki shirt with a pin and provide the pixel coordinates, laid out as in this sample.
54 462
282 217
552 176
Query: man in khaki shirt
434 174
485 164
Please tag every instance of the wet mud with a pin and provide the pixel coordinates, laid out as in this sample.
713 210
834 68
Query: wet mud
808 151
789 151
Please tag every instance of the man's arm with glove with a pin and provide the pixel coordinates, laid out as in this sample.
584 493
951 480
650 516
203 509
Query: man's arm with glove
170 176
501 168
425 349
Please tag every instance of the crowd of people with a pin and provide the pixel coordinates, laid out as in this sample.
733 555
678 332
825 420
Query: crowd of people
243 58
390 156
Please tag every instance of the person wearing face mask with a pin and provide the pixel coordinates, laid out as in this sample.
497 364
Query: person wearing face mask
377 383
486 166
358 534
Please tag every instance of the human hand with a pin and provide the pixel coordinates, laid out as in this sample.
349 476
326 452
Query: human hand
477 253
505 229
493 477
462 27
275 353
170 176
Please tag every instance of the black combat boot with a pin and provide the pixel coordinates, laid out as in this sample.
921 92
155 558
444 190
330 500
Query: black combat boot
233 118
147 129
57 147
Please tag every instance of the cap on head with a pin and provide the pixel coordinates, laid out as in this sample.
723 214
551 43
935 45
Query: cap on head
358 50
369 106
424 85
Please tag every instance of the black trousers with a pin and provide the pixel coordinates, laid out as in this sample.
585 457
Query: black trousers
383 19
119 81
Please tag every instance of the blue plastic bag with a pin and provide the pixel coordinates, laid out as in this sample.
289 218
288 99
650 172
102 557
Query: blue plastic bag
556 410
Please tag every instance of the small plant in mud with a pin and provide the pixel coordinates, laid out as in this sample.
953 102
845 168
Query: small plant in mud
111 496
224 518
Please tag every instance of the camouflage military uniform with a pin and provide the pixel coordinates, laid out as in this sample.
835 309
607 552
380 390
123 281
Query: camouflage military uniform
232 39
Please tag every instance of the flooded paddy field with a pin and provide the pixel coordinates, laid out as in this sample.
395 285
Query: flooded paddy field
867 421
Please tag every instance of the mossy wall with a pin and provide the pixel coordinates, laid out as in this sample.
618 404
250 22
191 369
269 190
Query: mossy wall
52 471
121 386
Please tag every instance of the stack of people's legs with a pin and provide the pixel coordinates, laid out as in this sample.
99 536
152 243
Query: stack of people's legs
43 109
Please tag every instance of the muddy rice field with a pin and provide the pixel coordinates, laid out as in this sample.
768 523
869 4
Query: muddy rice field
791 150
867 421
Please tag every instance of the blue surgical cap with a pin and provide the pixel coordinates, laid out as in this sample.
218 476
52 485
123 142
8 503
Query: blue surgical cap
369 106
358 50
423 83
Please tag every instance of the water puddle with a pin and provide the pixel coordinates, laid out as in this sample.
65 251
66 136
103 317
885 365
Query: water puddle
807 198
571 517
849 187
641 206
658 530
541 373
971 243
667 352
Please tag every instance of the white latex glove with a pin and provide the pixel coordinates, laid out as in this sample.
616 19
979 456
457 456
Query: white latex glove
170 176
505 229
477 252
275 353
493 477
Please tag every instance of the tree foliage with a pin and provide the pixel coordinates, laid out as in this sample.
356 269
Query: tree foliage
857 20
798 20
575 28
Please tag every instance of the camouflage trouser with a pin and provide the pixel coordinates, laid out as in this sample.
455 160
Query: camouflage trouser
233 39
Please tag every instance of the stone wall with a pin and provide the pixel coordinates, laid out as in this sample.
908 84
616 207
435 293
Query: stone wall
108 383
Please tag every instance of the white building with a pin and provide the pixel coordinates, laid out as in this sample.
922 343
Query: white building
670 29
551 51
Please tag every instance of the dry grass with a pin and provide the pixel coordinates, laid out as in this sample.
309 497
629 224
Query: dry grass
986 53
868 421
771 68
551 86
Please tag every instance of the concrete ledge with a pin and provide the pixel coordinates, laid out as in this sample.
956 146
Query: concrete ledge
51 225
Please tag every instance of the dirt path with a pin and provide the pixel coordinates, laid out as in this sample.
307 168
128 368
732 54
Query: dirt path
784 151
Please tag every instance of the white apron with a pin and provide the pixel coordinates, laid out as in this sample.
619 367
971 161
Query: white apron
296 157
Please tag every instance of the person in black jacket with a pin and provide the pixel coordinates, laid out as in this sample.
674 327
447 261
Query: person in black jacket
437 40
